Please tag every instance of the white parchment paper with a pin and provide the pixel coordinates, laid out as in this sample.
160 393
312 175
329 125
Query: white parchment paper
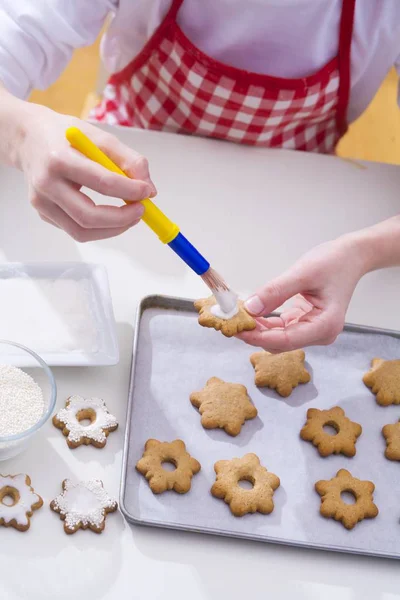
176 356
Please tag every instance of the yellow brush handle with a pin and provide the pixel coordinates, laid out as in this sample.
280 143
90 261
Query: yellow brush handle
152 216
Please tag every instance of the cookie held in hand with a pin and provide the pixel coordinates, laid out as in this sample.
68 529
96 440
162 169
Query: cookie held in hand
280 372
223 405
384 380
242 321
160 480
343 442
391 433
333 506
242 501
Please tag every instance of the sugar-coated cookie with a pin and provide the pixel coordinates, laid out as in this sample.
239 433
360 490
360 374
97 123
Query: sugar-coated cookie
242 321
242 501
347 432
280 372
391 433
384 380
23 500
160 480
223 405
83 505
333 506
78 409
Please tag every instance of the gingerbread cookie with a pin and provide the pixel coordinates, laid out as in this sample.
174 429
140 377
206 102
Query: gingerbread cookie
347 432
242 501
151 466
384 380
391 433
83 505
241 321
22 501
280 372
223 405
332 505
78 409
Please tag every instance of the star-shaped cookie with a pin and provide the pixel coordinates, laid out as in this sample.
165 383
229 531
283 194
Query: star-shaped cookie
25 501
391 433
384 380
223 405
280 372
83 505
242 321
333 506
347 432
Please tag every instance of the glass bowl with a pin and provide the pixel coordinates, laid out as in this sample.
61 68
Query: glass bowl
16 355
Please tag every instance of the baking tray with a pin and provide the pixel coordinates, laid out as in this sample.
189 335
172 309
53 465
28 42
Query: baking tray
173 356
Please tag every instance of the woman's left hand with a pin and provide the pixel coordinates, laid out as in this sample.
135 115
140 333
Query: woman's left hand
322 283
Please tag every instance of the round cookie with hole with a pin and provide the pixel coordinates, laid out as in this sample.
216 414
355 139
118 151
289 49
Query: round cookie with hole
331 432
85 421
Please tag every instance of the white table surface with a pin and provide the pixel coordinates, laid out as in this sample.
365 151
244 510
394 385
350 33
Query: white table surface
252 212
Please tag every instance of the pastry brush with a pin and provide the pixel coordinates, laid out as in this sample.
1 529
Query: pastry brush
167 231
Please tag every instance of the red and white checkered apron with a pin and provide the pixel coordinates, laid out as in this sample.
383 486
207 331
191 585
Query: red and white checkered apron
173 86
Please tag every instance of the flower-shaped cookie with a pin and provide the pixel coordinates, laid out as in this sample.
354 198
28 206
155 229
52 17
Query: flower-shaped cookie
77 409
347 432
151 466
391 433
83 505
384 380
280 372
223 405
242 321
22 501
332 505
242 501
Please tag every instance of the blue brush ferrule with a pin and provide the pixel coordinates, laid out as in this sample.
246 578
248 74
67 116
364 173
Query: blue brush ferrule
189 254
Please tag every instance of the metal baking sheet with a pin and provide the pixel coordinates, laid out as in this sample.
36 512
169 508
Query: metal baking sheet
173 356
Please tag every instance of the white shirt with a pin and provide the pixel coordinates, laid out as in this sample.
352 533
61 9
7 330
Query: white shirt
283 38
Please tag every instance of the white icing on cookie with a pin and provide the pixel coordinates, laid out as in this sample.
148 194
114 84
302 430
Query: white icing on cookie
218 312
85 502
27 498
227 302
94 431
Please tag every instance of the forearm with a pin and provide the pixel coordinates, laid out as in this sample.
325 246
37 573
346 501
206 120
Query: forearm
13 116
378 246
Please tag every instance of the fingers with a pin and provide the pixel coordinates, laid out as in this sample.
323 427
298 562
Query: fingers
274 294
81 209
53 214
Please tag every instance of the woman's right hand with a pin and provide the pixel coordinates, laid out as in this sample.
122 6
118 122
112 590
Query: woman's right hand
56 172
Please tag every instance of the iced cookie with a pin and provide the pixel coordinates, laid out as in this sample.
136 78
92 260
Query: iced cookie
333 506
343 442
391 433
77 409
210 317
18 500
151 466
223 405
384 380
83 505
280 372
242 501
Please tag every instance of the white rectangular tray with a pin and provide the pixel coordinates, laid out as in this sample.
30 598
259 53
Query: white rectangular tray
29 314
173 357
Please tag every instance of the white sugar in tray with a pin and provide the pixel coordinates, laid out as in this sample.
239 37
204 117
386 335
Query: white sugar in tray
62 311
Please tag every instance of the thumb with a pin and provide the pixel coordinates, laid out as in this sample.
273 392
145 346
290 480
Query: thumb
271 296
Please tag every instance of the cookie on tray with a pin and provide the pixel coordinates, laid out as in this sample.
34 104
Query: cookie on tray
77 409
343 442
280 372
83 505
333 506
22 501
391 433
223 405
384 380
242 501
242 321
160 480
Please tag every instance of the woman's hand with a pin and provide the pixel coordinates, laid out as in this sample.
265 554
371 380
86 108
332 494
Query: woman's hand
322 283
56 172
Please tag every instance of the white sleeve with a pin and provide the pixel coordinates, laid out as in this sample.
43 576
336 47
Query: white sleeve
37 38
